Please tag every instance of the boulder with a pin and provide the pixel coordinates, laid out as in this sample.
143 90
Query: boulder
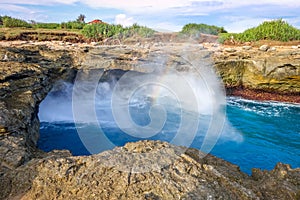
272 49
264 47
247 47
230 50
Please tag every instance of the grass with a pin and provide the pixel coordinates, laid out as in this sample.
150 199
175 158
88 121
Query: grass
276 30
38 34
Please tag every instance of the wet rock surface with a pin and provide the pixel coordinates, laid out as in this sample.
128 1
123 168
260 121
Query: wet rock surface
29 71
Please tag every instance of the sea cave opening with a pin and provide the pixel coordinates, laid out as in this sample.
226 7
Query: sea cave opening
90 115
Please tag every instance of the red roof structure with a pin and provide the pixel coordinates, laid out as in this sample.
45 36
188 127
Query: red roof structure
96 21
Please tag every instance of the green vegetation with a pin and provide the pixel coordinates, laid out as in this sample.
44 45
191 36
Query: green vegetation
72 25
10 22
40 34
101 31
278 30
196 29
47 25
136 30
78 30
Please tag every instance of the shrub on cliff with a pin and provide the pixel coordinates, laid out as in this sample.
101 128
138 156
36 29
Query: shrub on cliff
72 25
10 22
136 30
278 30
101 31
47 25
195 29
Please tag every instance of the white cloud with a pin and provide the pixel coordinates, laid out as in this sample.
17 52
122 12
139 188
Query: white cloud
181 7
157 12
15 8
142 6
38 2
177 7
166 27
123 20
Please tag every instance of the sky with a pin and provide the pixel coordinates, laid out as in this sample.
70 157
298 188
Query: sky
162 15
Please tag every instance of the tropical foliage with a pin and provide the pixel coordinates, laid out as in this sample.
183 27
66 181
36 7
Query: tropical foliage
72 25
100 31
10 22
278 30
195 29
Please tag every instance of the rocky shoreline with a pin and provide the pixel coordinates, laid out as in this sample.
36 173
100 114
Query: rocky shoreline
30 69
261 95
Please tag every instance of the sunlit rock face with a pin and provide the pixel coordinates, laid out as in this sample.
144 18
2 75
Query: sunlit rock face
146 170
29 72
273 72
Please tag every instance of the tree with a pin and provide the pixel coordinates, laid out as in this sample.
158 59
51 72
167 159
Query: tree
32 22
80 18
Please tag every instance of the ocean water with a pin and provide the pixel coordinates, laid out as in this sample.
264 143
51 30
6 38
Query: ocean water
254 135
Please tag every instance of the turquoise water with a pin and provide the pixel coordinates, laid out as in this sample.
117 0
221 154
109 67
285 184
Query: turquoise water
271 133
255 134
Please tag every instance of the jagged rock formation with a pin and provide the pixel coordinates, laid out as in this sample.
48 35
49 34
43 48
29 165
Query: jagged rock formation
170 174
26 76
28 72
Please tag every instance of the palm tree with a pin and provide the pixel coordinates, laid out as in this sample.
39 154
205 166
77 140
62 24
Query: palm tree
80 18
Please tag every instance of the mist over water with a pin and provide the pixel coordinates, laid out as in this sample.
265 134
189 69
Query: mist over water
255 134
166 106
57 106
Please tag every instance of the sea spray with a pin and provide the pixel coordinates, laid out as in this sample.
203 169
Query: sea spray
57 107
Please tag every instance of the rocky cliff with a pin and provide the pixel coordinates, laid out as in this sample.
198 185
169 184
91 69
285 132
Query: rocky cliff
257 74
29 71
26 76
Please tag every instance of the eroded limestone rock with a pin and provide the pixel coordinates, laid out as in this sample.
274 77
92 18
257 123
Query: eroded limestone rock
182 176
